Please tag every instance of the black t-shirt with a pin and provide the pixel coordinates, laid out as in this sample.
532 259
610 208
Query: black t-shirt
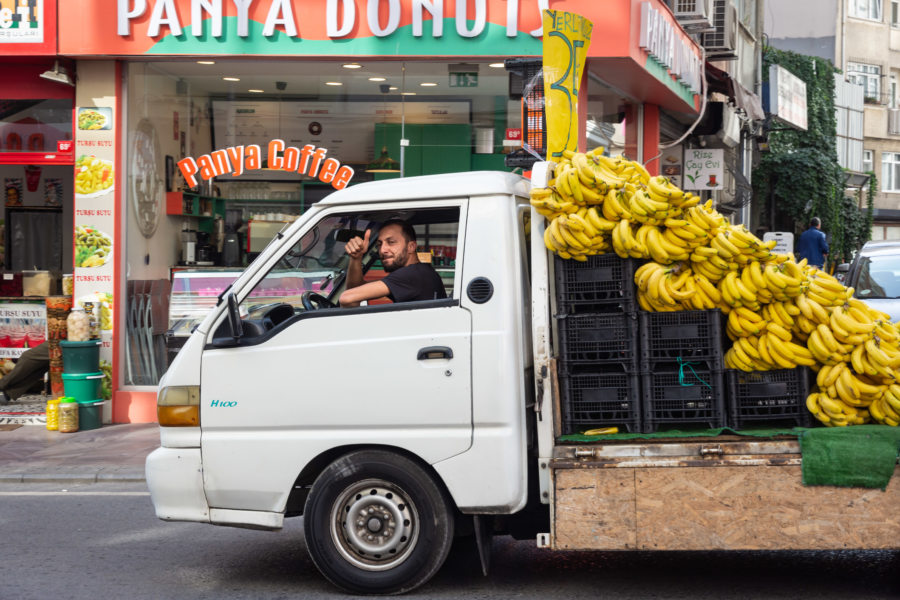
418 281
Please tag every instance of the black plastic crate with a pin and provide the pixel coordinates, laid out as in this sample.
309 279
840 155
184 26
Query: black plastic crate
590 400
600 367
692 396
686 335
764 397
603 283
591 338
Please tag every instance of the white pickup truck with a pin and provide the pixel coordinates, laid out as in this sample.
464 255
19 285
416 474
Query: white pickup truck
393 427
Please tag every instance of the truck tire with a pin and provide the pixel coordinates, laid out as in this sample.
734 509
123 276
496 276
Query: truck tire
375 522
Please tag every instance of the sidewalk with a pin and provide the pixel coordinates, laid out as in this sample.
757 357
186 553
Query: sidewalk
111 453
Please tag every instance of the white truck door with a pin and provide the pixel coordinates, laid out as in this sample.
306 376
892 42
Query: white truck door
307 381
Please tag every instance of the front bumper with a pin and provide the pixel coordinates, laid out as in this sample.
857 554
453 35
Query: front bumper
175 480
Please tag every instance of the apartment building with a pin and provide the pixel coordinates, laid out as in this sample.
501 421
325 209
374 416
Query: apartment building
862 39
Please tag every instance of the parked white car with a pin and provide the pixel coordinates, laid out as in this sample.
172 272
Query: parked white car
875 276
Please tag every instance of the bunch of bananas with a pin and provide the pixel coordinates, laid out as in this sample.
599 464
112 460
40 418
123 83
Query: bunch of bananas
781 314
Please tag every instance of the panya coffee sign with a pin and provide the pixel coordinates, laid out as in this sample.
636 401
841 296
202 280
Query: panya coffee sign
237 160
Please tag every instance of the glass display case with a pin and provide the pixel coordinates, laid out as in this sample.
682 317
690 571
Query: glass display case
196 291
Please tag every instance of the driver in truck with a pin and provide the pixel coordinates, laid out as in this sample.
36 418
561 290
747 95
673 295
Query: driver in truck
407 278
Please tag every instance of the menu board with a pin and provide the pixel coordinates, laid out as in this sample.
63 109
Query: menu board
23 325
96 180
347 129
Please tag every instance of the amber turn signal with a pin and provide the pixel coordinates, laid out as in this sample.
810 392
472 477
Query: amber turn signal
178 416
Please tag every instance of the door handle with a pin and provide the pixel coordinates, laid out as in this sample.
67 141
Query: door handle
432 352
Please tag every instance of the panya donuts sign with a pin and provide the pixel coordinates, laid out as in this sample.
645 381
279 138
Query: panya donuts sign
237 160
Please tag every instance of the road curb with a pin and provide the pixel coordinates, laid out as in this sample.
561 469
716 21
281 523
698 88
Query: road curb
59 477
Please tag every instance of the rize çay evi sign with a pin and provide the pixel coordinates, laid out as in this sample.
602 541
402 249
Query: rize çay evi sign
236 160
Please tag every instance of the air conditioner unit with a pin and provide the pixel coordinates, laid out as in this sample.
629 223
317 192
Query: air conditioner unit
695 16
722 43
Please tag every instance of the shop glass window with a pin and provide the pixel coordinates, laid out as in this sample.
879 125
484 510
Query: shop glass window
34 125
868 76
868 161
454 116
866 9
605 119
890 171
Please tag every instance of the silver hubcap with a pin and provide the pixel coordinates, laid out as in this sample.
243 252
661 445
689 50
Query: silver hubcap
374 525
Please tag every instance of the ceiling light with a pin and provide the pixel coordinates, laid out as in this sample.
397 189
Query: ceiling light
206 62
256 91
377 79
333 83
352 66
408 94
428 84
393 87
231 78
58 75
496 65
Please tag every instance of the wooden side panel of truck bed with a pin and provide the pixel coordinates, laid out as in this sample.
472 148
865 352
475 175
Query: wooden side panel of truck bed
748 507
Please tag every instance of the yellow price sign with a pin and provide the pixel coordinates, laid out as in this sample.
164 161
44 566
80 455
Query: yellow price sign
566 40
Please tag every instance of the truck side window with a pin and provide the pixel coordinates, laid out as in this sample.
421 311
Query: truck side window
437 233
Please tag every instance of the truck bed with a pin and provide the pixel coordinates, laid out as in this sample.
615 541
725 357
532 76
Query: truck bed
724 493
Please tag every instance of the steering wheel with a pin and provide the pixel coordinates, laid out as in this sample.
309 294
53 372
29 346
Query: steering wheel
277 314
315 301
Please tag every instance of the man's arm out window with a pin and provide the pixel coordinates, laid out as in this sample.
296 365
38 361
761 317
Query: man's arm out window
367 291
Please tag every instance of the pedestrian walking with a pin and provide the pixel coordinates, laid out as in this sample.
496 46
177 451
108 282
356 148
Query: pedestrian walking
812 245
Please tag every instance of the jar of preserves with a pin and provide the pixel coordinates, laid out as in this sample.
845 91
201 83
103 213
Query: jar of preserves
78 326
93 320
68 415
53 414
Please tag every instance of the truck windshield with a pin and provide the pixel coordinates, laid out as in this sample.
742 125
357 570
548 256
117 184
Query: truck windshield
316 263
879 277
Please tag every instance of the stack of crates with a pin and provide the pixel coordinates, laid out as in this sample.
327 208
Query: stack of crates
682 369
768 397
597 330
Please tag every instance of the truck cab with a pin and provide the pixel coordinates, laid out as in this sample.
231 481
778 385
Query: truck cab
381 424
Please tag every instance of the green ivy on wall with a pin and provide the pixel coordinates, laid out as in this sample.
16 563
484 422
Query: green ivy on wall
800 173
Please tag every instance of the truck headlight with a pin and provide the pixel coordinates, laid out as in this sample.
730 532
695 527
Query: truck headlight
178 406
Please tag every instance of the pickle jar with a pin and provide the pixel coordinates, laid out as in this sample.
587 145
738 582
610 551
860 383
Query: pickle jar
93 320
78 326
68 415
53 414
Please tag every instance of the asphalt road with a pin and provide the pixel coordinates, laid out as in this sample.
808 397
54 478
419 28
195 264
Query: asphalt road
103 541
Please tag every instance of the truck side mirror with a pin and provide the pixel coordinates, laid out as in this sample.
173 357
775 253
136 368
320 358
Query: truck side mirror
843 268
234 317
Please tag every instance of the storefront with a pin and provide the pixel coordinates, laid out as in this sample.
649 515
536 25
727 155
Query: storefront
36 174
385 86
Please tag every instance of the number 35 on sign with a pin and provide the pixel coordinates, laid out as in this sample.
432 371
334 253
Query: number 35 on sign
566 40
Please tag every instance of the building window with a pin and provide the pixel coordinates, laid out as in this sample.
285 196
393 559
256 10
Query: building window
895 13
868 158
866 9
892 92
868 76
890 171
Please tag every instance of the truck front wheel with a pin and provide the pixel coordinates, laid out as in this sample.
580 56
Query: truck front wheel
376 522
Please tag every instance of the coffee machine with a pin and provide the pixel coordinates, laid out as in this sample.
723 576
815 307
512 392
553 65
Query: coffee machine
205 252
188 247
231 244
